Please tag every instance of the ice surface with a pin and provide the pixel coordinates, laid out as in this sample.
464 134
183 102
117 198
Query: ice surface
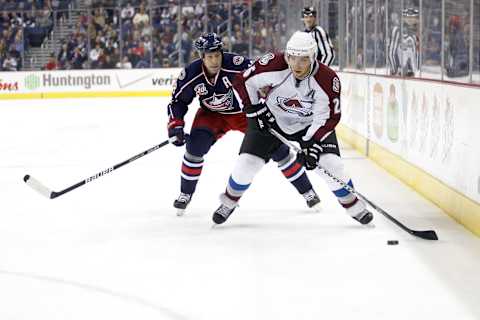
115 249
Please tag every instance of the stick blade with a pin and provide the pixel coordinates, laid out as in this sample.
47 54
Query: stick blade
427 235
38 186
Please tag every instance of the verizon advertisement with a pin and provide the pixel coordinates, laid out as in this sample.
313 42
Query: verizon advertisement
431 125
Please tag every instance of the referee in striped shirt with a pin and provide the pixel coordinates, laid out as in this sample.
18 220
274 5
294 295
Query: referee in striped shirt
325 54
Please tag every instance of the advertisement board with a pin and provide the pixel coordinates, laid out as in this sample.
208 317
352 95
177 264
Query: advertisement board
90 83
431 125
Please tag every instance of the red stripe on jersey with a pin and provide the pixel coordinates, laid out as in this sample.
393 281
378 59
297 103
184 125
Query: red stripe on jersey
191 171
267 63
328 80
292 170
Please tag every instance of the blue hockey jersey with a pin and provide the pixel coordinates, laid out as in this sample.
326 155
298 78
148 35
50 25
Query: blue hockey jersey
217 96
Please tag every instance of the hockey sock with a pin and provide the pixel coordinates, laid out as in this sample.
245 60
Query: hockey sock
191 170
295 173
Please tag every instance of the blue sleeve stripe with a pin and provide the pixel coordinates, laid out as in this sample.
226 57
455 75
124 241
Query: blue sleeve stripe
343 192
237 186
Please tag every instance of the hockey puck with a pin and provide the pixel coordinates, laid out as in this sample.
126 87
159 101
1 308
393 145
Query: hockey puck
392 242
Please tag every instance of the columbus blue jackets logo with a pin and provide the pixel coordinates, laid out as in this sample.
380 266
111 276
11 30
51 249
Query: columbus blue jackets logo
296 106
220 102
238 60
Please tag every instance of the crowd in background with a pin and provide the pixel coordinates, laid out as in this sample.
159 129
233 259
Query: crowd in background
133 33
106 34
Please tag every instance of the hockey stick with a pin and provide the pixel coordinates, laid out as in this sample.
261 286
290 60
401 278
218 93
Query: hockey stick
427 234
43 190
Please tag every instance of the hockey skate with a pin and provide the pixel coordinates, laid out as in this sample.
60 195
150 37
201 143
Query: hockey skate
182 202
364 217
225 210
312 199
222 213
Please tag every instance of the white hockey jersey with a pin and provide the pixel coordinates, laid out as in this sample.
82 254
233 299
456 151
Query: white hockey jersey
296 104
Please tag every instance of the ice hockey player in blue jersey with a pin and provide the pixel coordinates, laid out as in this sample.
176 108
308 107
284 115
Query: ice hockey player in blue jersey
209 78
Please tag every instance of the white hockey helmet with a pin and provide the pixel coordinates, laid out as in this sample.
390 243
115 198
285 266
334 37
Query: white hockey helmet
302 44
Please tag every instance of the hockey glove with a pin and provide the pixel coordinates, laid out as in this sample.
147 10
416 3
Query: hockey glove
175 129
262 116
311 153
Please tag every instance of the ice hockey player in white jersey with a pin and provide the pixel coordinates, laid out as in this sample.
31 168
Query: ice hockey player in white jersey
325 51
209 78
301 101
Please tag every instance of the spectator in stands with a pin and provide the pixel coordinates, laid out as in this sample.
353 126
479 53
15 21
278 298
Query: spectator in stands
141 17
52 63
18 43
63 56
99 19
432 54
10 63
107 63
456 62
78 58
124 64
95 55
127 12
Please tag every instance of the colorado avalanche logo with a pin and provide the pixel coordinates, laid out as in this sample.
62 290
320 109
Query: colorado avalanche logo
294 105
220 102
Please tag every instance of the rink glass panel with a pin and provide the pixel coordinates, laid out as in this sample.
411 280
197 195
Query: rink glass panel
457 40
430 64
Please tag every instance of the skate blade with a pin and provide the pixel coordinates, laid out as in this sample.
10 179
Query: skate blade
180 212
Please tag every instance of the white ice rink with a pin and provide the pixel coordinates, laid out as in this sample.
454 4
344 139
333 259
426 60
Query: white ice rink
114 248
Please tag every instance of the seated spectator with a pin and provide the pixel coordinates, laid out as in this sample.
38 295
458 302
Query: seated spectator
64 55
124 64
107 63
52 63
95 55
78 58
10 63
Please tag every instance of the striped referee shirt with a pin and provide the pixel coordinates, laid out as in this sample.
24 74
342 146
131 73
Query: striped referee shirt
325 53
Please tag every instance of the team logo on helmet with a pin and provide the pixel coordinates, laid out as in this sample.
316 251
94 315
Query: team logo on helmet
238 60
220 102
295 105
200 89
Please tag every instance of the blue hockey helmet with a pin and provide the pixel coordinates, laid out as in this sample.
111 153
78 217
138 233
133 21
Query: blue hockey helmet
208 42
